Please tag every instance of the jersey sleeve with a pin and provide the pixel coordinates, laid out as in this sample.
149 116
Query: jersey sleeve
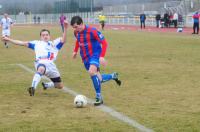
11 21
99 37
76 47
32 44
57 43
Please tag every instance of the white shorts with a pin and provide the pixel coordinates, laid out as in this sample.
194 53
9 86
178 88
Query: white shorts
5 32
51 69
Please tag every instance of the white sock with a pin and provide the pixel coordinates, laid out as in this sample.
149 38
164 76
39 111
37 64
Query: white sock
49 85
36 80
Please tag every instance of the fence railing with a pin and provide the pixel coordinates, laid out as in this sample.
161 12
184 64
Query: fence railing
88 18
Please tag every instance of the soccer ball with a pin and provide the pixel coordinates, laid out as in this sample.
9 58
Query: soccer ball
80 101
179 29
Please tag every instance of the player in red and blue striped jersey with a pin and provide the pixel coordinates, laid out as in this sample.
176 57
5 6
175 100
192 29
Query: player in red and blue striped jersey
92 45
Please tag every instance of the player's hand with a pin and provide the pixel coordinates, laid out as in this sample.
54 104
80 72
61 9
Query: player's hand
4 38
103 61
65 24
74 55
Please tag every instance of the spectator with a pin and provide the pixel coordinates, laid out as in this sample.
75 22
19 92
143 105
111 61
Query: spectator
142 20
180 19
196 23
38 20
34 18
162 22
158 17
102 20
171 22
175 19
62 19
166 19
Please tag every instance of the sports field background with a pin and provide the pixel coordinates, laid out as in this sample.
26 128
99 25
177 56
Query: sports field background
161 88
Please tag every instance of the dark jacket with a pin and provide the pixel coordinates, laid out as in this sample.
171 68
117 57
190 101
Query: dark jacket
142 17
158 17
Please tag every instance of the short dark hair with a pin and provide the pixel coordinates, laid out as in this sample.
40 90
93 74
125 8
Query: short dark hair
44 30
76 19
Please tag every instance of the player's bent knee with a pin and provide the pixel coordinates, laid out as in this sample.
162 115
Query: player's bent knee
41 69
41 72
59 85
92 72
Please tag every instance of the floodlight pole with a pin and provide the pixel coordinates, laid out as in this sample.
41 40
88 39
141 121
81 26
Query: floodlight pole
91 4
0 7
185 11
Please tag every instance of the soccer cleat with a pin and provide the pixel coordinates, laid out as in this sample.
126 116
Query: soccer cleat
118 82
6 45
115 77
43 85
31 91
98 102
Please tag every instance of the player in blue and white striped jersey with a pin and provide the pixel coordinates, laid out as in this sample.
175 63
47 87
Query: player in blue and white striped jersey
6 24
45 54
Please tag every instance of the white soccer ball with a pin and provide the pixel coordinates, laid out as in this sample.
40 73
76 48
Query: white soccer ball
80 101
179 29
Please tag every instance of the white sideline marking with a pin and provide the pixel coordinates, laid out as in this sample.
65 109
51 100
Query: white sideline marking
104 108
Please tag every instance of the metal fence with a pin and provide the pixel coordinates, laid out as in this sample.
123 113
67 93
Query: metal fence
89 18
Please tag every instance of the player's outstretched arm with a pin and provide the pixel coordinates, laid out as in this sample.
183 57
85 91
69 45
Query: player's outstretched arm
16 42
64 37
75 50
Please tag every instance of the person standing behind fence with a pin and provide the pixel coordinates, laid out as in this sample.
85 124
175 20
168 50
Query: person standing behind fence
142 20
158 20
102 19
196 23
166 19
6 23
175 19
34 19
38 20
62 19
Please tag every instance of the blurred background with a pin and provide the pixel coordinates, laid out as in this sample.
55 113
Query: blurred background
116 12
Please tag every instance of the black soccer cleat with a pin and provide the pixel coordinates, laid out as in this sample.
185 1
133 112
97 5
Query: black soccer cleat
118 82
98 102
6 45
115 77
31 91
43 85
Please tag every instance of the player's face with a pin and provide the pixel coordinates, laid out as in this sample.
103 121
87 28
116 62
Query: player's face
5 15
78 28
45 36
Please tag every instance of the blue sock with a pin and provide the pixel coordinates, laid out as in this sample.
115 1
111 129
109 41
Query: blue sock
106 77
97 85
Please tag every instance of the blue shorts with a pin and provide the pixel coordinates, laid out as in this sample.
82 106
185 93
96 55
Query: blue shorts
91 61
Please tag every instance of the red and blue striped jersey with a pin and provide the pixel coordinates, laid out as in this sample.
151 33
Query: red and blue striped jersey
89 41
196 17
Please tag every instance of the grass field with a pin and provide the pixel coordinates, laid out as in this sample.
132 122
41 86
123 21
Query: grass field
161 87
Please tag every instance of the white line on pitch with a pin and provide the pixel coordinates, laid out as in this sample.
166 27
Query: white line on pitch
103 108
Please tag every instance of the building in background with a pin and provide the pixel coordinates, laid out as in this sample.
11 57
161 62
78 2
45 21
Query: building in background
69 6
